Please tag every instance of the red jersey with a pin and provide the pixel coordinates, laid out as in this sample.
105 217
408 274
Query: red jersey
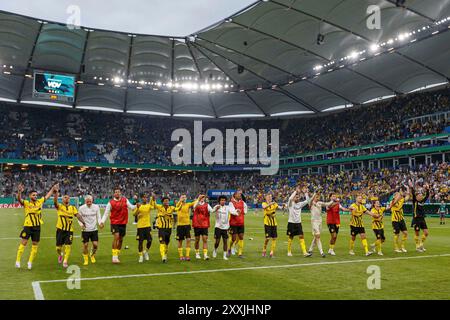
119 211
200 219
237 220
333 216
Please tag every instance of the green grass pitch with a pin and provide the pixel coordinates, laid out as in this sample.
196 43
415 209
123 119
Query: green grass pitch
409 275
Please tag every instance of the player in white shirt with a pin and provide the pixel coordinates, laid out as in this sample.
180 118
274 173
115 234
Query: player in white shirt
222 212
316 221
91 216
294 227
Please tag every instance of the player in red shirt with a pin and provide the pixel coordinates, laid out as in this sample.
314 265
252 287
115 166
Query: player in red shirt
237 223
201 223
334 220
117 208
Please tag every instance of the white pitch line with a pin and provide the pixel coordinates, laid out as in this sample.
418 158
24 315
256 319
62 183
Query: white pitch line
38 295
248 268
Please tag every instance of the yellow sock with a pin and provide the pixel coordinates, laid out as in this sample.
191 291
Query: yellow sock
85 259
59 250
67 250
241 247
289 245
188 251
34 250
166 248
162 249
141 253
180 252
118 252
404 237
378 245
396 241
205 252
303 245
274 244
352 244
424 237
114 252
417 241
197 251
365 245
20 251
331 246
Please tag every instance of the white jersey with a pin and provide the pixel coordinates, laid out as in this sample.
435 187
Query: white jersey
295 209
316 210
223 217
91 216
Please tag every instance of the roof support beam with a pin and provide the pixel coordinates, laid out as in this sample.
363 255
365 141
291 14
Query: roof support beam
82 66
282 70
290 95
315 54
255 103
130 50
413 11
172 73
369 41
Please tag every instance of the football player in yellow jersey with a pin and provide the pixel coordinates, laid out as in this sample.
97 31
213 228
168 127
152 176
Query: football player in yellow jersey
398 220
270 224
184 226
64 226
357 226
32 223
144 229
378 226
164 223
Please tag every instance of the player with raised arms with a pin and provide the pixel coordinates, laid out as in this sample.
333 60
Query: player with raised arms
357 226
144 228
117 208
419 197
201 223
270 224
90 213
334 220
64 226
294 227
316 206
164 223
397 218
32 223
183 210
237 227
378 226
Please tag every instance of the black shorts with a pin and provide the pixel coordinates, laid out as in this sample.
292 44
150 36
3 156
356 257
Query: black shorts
121 229
270 231
236 230
183 232
333 228
164 235
294 229
144 234
87 236
200 232
399 226
379 233
442 215
63 237
220 233
419 224
356 230
33 232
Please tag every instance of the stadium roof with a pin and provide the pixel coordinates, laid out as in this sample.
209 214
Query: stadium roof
265 60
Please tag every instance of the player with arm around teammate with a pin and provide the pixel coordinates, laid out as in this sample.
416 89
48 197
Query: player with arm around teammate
90 213
334 220
222 212
294 227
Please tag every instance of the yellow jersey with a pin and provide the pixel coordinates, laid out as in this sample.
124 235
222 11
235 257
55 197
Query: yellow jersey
357 215
165 216
377 223
65 217
143 214
269 214
397 210
33 212
183 213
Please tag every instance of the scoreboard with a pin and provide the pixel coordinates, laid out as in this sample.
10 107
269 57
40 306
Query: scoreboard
54 87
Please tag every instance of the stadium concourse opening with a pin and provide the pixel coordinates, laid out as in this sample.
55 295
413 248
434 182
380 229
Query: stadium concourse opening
350 100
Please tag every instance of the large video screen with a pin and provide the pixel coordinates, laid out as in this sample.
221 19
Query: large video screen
51 86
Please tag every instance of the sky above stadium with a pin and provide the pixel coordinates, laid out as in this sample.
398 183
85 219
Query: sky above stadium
161 17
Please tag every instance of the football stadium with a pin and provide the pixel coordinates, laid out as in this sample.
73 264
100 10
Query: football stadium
285 150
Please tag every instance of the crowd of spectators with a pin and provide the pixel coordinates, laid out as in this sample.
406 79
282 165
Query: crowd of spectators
71 135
